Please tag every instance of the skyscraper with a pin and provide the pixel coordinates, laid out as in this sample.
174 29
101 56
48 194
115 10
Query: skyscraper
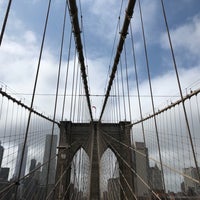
1 154
142 169
156 179
32 165
19 157
52 168
189 184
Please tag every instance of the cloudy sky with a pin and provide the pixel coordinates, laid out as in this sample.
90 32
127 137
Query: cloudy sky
101 19
19 51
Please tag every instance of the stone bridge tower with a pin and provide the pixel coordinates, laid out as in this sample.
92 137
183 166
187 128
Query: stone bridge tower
88 136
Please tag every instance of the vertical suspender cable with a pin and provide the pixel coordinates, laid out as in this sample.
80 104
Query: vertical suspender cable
56 98
129 13
72 92
137 84
5 21
79 101
66 78
76 85
113 47
34 90
79 47
116 99
120 116
180 90
122 85
127 82
152 100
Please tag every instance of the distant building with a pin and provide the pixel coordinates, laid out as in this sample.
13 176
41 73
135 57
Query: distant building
32 165
1 154
142 169
52 168
4 172
114 189
37 174
31 185
19 157
191 187
156 179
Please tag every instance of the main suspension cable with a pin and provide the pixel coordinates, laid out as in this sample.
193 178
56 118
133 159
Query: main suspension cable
76 30
129 13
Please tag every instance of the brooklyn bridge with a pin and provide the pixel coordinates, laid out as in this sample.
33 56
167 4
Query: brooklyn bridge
99 100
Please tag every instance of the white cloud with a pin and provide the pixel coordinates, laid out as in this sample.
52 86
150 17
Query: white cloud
20 49
30 37
103 18
185 37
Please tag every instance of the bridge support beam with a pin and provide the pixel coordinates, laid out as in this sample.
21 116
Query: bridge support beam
95 176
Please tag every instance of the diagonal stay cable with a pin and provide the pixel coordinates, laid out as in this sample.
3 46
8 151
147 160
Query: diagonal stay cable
128 185
76 30
188 96
132 170
19 102
124 193
150 158
180 91
58 181
27 175
34 90
56 97
129 13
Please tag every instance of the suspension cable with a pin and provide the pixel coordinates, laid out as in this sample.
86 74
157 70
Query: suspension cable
19 102
75 93
67 71
188 96
56 98
132 170
33 95
84 43
75 22
116 100
127 81
122 86
104 142
59 180
129 187
115 37
129 13
180 90
73 79
5 21
137 83
151 92
24 177
119 102
150 158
